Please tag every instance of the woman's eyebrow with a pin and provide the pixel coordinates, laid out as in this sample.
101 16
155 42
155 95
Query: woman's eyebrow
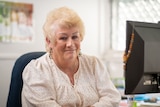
75 32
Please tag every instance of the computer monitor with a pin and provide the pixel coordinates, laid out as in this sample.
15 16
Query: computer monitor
142 58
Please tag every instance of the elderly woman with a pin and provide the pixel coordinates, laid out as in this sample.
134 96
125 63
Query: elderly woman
64 77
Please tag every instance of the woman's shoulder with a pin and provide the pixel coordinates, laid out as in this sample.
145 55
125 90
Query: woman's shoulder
92 60
39 63
88 58
37 67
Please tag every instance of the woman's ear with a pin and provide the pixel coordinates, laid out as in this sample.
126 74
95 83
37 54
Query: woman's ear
48 41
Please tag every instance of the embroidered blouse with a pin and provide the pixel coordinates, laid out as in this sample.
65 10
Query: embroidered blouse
45 85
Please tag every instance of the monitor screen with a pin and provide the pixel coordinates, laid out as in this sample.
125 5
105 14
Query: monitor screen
142 58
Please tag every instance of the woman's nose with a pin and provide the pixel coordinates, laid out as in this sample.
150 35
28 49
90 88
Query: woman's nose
69 42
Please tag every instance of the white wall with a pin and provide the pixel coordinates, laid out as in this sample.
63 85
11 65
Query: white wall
95 14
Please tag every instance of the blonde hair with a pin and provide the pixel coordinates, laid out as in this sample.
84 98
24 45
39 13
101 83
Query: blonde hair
65 18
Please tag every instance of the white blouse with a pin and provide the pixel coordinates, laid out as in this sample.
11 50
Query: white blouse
45 85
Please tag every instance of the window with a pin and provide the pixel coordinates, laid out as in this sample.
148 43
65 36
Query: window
137 10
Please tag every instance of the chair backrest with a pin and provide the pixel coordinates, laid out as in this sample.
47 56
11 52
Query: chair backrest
14 95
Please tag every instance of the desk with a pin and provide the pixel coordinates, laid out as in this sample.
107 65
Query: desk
149 105
124 103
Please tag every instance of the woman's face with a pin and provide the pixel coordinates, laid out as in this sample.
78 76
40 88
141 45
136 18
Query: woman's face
67 43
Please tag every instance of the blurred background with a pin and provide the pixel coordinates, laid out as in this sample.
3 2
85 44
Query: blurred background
105 24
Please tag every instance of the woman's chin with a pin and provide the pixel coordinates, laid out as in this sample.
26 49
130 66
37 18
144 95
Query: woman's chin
70 56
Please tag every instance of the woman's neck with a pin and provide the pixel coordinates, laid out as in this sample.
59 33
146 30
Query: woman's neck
67 65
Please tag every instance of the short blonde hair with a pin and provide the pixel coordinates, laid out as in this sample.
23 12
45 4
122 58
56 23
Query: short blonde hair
65 18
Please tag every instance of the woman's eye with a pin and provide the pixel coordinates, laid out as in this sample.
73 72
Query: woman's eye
75 37
63 38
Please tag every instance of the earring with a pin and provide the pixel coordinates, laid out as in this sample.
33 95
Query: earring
50 53
80 53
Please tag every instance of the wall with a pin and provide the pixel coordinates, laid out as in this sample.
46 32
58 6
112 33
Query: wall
95 14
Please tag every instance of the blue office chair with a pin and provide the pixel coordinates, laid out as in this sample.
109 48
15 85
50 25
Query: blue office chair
14 95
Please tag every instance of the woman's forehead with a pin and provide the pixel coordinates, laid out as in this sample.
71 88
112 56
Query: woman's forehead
72 30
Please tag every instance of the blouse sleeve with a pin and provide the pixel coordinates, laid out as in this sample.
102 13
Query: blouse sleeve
38 90
109 95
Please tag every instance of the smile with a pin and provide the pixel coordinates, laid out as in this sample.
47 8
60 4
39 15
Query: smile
70 50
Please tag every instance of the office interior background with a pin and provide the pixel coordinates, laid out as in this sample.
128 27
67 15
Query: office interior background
105 32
